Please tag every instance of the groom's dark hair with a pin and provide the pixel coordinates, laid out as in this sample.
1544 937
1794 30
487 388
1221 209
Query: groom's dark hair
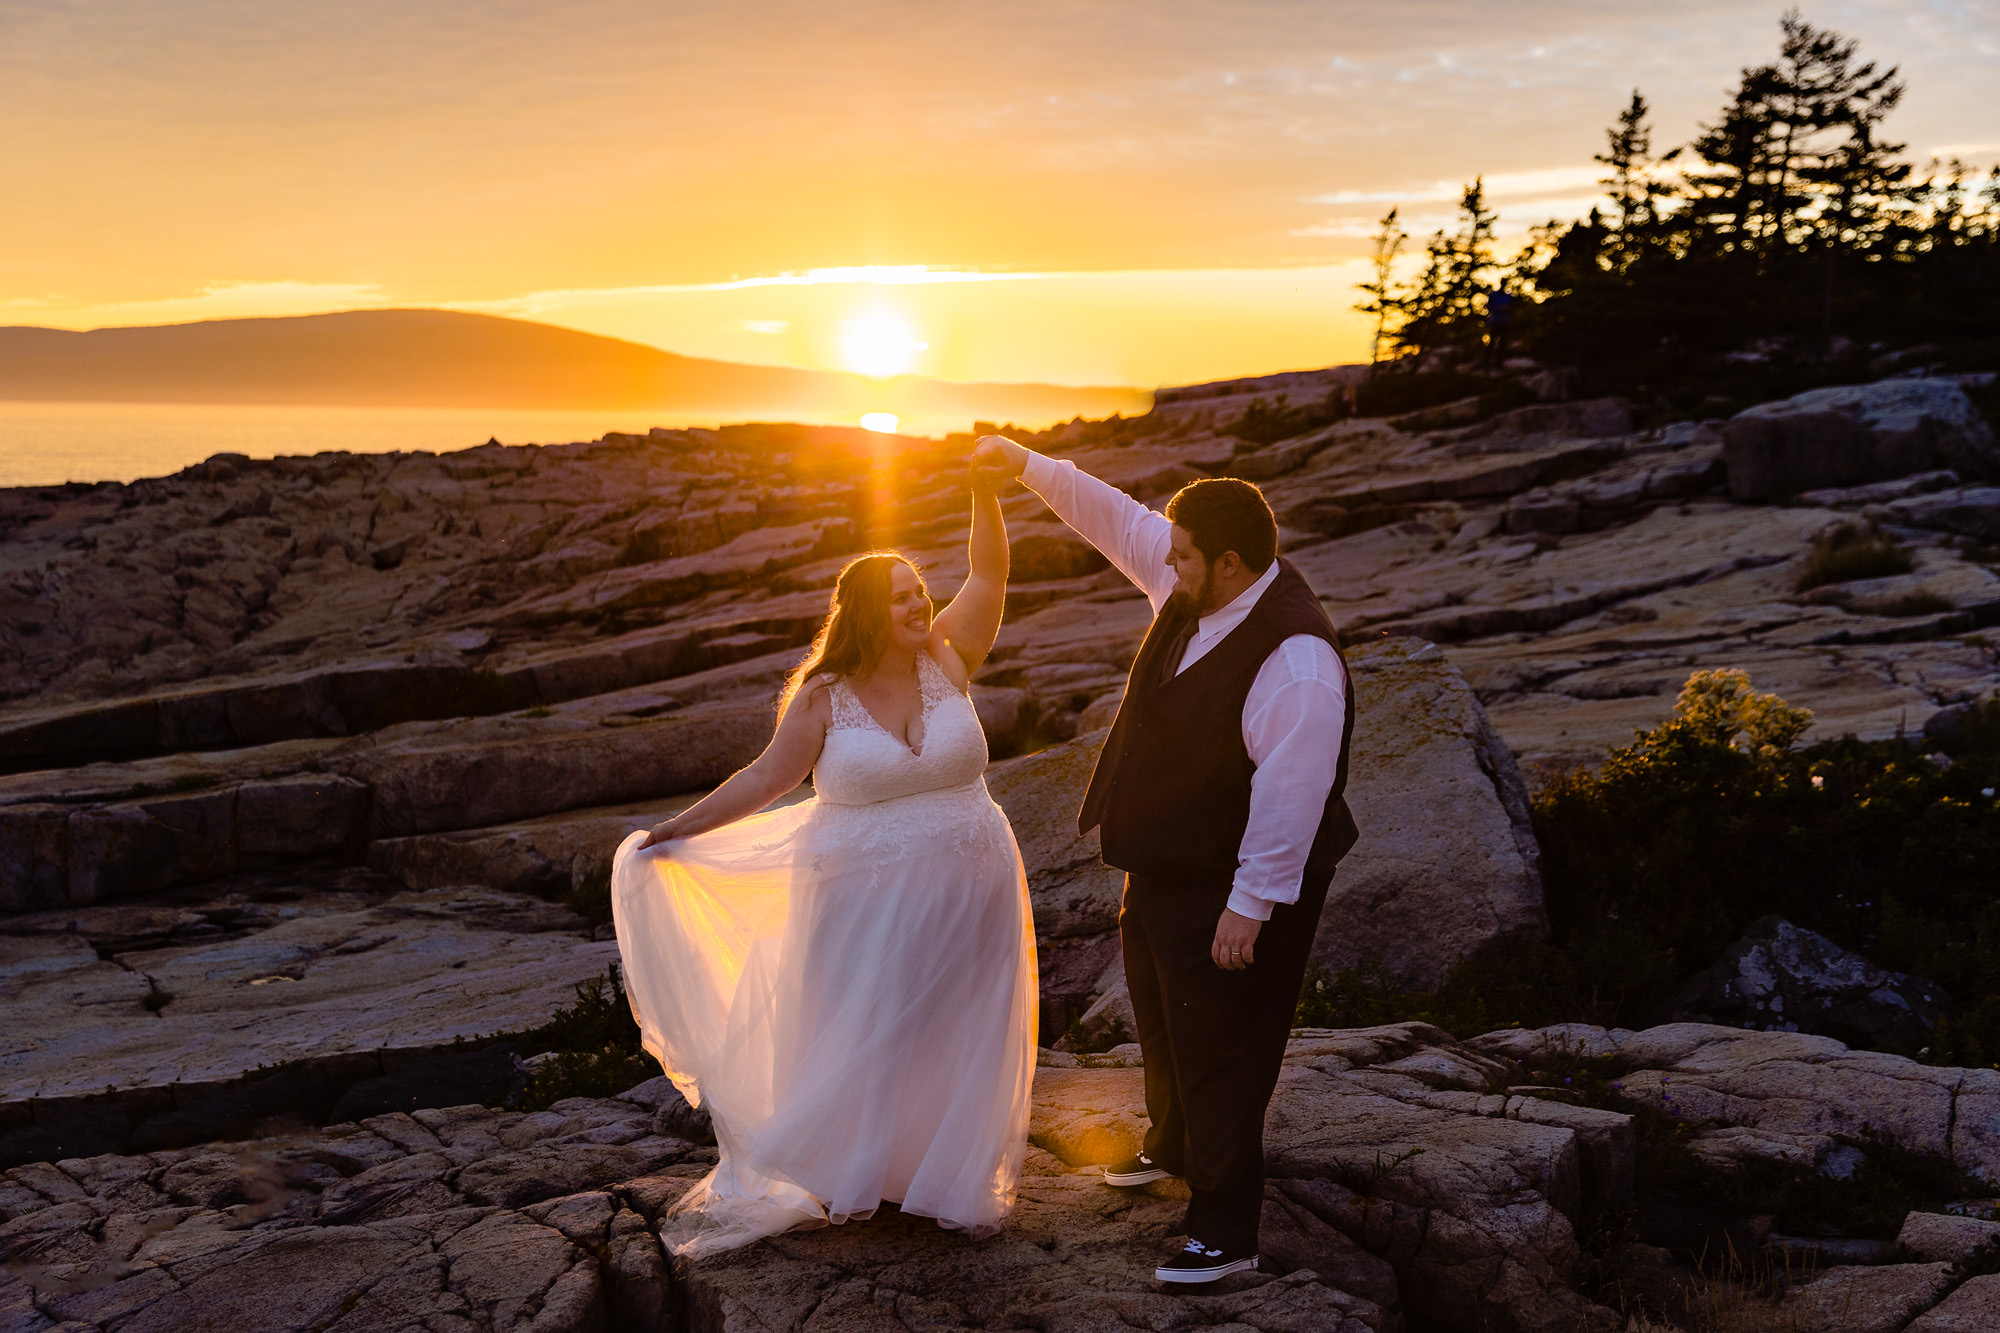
1225 514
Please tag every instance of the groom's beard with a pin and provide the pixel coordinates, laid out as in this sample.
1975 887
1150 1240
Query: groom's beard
1194 601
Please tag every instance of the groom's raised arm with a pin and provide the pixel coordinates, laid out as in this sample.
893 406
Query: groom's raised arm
1128 534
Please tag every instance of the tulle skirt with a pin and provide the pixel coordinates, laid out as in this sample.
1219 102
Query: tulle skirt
851 992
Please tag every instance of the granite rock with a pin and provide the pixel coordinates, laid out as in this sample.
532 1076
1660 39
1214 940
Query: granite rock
1781 978
1853 434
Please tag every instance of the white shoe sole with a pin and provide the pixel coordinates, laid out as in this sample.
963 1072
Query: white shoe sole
1212 1274
1130 1178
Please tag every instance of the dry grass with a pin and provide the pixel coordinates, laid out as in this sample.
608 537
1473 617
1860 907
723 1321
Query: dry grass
1728 1293
1851 551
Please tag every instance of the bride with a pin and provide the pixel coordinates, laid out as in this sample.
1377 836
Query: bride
848 984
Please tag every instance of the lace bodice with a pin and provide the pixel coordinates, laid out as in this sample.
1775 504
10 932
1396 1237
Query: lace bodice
862 763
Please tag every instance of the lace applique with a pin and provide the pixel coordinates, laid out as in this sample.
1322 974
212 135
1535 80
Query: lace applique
849 713
872 839
932 683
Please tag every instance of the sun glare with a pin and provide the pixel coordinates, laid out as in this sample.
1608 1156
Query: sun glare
885 422
879 343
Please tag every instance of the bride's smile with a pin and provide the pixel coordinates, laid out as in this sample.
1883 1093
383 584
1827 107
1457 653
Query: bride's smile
909 609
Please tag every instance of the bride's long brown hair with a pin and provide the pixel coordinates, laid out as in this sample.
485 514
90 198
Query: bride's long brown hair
856 629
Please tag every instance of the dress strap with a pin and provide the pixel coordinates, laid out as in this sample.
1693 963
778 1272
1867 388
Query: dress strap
932 683
848 711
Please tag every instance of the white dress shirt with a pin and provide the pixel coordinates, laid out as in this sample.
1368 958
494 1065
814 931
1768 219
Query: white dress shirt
1293 717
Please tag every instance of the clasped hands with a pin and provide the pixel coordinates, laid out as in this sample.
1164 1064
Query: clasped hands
995 461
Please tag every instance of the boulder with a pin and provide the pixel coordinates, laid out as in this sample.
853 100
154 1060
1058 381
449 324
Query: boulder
1973 1308
1447 865
1781 978
1859 1299
1854 434
316 980
1447 862
487 771
1786 1096
1943 1236
1969 511
1963 726
1057 554
547 857
1591 418
1073 891
34 857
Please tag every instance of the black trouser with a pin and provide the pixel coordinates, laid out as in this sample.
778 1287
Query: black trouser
1214 1041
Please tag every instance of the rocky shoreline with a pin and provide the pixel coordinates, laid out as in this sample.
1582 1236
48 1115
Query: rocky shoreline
1411 1187
310 768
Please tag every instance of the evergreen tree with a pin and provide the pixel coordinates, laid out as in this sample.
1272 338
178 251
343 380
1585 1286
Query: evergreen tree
1424 321
1628 150
1636 190
1471 261
1382 302
1444 307
1729 203
1794 229
1834 175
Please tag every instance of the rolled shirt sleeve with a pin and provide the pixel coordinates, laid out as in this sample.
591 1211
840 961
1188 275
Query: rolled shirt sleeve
1293 724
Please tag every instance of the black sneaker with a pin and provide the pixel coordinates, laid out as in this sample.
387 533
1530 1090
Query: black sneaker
1205 1263
1136 1170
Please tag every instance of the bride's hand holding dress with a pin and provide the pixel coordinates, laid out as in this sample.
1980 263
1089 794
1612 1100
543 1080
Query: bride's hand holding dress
849 983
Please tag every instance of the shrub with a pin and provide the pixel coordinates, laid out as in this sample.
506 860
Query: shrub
1078 1042
1389 393
1656 863
1267 423
595 1042
1851 551
1715 819
590 896
1910 604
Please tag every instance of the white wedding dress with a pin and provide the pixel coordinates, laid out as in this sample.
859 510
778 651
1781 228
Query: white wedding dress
847 984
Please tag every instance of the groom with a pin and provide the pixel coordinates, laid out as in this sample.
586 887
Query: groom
1219 793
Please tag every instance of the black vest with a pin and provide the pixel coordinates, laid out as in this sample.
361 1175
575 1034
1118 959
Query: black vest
1172 788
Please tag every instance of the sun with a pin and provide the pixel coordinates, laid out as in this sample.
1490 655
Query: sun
879 343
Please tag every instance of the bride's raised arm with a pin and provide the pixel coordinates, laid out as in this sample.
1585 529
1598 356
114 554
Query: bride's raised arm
970 624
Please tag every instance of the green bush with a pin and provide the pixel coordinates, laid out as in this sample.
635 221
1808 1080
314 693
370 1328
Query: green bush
1656 863
1389 393
590 896
1910 604
1268 422
1848 552
595 1042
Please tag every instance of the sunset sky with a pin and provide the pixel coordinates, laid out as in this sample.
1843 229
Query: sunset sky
1068 192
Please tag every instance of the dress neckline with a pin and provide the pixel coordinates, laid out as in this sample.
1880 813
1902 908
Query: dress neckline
927 700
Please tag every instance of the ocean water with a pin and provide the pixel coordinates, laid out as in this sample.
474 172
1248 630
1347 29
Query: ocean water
46 444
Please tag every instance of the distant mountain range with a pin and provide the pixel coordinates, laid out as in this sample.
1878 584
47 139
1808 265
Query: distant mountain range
444 358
